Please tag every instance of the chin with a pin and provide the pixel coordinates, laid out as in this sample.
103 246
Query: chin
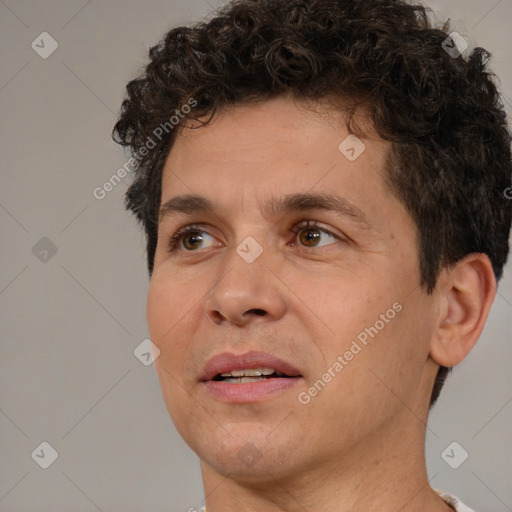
246 454
250 472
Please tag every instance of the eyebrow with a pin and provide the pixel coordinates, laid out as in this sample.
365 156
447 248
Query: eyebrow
192 204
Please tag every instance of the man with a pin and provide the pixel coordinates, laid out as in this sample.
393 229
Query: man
322 185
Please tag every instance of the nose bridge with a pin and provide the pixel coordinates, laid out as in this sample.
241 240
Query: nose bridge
247 287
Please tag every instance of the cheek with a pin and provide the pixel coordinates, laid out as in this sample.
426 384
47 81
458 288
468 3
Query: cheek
168 312
170 315
169 303
158 307
381 332
399 352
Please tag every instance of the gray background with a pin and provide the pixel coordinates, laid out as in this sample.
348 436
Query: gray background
70 324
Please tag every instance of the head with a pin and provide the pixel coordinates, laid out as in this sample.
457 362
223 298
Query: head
264 97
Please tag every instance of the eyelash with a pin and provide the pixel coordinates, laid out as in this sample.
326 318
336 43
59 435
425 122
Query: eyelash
194 228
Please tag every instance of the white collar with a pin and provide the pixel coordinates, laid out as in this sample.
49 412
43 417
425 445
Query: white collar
455 502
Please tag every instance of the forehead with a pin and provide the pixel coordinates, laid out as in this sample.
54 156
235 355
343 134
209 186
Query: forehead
281 140
282 118
267 155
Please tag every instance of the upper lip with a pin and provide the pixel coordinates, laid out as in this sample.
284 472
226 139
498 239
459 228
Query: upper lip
225 362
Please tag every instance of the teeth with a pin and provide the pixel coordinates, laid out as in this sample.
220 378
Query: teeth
250 372
250 379
242 380
254 372
238 373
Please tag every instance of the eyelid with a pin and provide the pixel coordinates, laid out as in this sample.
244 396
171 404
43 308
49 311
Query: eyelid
298 226
313 224
177 237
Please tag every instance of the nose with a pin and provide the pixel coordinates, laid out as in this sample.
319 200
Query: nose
246 292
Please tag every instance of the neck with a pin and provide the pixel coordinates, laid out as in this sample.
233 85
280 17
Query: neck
387 473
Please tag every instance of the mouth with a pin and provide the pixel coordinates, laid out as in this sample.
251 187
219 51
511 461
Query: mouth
248 377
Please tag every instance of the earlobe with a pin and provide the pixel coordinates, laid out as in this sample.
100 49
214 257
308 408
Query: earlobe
466 292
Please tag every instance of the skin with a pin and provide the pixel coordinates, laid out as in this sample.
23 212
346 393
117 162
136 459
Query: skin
359 443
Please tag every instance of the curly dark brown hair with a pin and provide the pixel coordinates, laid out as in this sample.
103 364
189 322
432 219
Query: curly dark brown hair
450 156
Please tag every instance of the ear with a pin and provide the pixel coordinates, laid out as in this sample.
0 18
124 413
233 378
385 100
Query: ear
465 292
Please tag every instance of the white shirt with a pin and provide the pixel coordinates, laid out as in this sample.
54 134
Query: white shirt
447 498
454 502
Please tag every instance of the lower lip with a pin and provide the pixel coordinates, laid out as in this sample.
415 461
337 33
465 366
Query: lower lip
249 391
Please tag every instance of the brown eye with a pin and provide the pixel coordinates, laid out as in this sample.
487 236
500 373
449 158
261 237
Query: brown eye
188 239
191 240
310 233
309 237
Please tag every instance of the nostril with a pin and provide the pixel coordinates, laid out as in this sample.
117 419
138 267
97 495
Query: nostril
259 312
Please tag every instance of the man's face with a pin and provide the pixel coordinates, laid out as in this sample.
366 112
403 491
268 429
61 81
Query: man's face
339 301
